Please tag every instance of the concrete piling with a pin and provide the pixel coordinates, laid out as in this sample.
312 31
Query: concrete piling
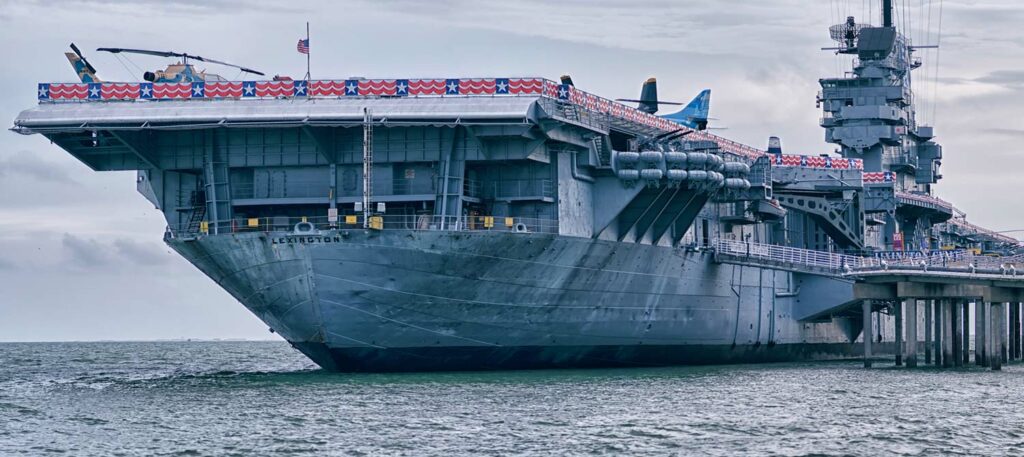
868 334
978 335
1004 332
1020 331
937 306
956 322
986 335
899 332
1015 330
996 323
965 346
927 332
911 350
947 332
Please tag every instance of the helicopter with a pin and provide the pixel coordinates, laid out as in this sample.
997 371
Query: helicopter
181 72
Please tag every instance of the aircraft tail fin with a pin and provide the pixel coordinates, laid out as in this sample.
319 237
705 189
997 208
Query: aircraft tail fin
695 113
649 96
85 71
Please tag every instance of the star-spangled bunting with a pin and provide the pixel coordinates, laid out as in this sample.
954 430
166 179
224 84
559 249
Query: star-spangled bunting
537 87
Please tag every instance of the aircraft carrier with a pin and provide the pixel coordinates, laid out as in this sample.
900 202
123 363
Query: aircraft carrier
521 222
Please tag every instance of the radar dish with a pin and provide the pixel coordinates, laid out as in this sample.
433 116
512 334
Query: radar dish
847 32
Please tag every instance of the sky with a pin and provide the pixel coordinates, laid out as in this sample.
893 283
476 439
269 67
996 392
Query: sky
81 256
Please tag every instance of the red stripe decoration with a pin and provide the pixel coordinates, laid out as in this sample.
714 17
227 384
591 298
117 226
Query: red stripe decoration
791 161
172 90
836 163
815 162
426 87
416 87
223 89
477 86
119 91
377 87
878 176
527 86
69 91
275 88
327 88
550 89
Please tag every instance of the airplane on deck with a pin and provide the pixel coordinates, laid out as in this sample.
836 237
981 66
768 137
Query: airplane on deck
694 115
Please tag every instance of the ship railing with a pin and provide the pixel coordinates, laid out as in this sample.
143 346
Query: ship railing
775 255
414 222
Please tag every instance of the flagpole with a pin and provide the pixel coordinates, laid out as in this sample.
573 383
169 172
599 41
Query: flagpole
307 52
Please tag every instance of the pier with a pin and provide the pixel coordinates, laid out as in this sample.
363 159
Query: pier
944 294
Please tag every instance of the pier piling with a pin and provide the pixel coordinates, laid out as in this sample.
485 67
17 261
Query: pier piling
947 332
996 323
1004 336
937 307
1015 329
986 337
965 346
979 335
899 333
958 327
867 333
911 350
927 332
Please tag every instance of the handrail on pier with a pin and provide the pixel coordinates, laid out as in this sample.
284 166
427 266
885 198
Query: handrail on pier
732 251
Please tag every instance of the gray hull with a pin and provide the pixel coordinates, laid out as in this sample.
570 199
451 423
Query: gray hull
403 300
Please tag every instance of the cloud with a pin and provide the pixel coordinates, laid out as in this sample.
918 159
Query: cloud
1012 133
1013 79
120 252
86 253
145 254
27 164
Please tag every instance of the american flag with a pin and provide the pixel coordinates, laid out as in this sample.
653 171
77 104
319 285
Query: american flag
303 46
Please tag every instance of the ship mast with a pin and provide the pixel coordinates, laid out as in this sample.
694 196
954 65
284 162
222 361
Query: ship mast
871 115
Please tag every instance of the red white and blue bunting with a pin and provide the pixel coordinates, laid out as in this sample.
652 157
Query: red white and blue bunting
834 163
447 87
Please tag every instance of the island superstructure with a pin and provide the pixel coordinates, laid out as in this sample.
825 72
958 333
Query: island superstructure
520 222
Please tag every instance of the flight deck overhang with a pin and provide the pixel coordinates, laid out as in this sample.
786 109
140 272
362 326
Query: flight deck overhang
81 107
193 114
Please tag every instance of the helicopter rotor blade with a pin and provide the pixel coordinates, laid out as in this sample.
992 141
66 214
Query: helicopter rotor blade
218 62
84 61
143 51
179 54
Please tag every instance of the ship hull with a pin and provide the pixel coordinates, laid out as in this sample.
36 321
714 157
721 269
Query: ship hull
356 300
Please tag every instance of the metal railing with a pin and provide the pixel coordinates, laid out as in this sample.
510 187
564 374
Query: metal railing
770 254
415 222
